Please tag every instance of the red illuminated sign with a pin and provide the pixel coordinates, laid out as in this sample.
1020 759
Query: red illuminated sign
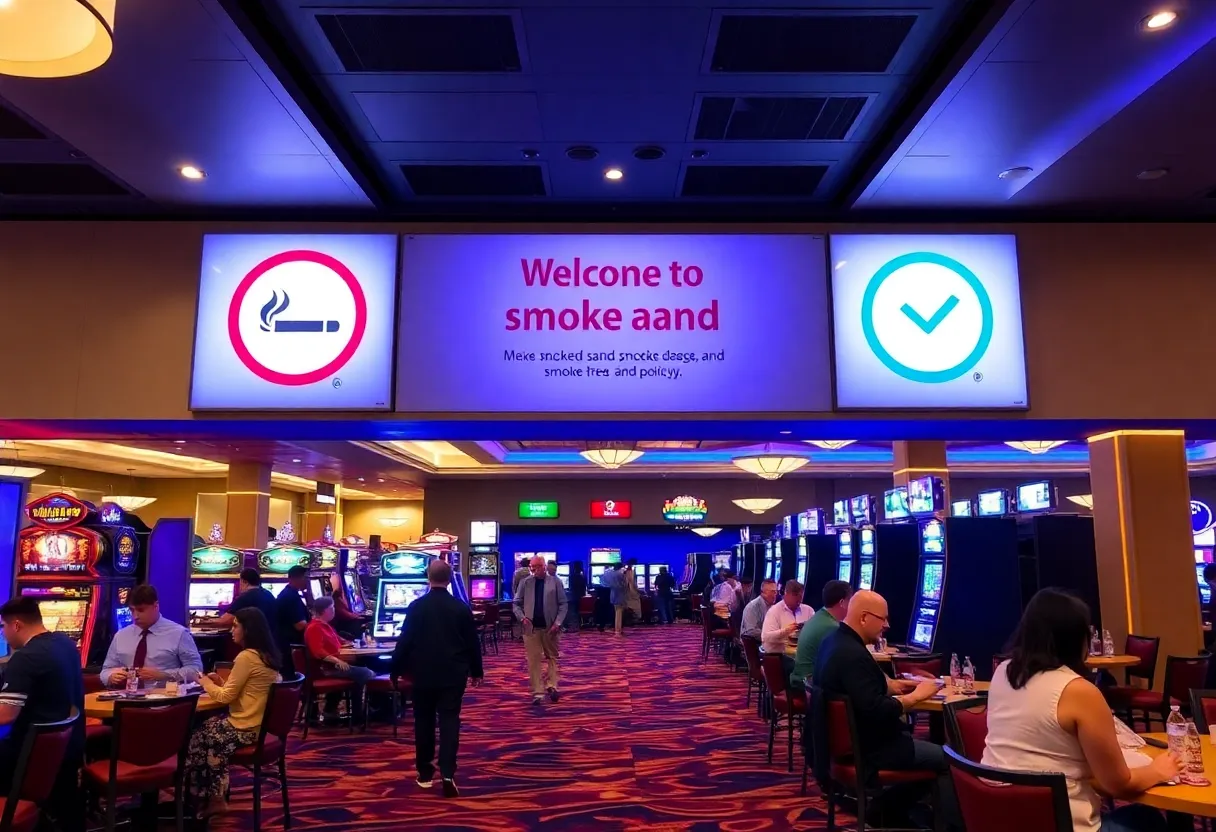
611 510
57 511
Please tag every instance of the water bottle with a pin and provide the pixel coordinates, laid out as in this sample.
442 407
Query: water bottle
1193 761
1095 642
132 680
1108 644
1175 732
968 675
956 671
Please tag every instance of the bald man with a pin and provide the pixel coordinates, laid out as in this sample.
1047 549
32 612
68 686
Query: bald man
845 667
540 606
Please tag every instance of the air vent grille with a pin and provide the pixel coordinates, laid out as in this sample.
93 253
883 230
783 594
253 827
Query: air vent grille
774 181
804 118
422 42
474 180
809 43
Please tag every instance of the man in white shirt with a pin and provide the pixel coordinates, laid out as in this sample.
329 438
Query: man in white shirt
756 609
728 593
783 620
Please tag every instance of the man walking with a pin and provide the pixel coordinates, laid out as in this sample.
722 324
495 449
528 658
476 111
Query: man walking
540 605
439 650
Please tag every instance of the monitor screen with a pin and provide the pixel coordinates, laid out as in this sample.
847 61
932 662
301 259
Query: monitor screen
895 504
844 570
787 526
925 495
482 589
563 571
993 503
844 542
483 533
62 615
931 582
314 586
860 509
931 542
390 628
865 576
960 508
397 596
922 634
840 513
1036 496
867 542
122 617
809 521
273 587
605 555
1206 538
595 572
357 605
722 560
211 596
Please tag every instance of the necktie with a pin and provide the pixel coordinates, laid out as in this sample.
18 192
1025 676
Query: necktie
141 650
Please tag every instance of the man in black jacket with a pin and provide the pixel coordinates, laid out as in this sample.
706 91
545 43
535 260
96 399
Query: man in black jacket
439 650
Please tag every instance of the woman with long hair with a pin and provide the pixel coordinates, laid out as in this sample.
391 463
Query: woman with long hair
1045 715
245 692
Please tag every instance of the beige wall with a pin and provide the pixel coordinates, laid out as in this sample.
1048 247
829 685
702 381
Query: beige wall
1101 311
362 517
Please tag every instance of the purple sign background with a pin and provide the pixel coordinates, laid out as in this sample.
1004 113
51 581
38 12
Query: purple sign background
751 312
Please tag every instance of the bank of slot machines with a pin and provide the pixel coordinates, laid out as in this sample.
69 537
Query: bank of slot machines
601 559
402 582
214 573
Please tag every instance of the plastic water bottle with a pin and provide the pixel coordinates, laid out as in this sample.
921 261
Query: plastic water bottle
132 680
1095 642
968 675
956 672
1193 761
1175 732
1108 644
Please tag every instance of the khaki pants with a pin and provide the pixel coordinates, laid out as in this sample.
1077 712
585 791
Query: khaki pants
542 646
620 616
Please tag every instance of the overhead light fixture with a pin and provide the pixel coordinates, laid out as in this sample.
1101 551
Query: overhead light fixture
127 502
21 472
757 505
191 172
55 38
769 466
1020 172
297 460
1035 447
705 531
830 444
1160 20
840 264
614 174
611 458
394 522
1083 500
1152 173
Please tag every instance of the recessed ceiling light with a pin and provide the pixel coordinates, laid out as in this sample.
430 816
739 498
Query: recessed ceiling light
1159 20
179 441
360 479
614 174
1015 173
297 460
786 432
1152 173
380 480
191 172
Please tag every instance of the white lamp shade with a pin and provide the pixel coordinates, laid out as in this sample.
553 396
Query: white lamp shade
55 38
757 505
128 503
705 531
830 444
21 472
1083 500
769 466
610 457
1035 446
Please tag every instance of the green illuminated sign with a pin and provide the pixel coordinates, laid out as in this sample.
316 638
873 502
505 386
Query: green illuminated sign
283 559
215 560
538 511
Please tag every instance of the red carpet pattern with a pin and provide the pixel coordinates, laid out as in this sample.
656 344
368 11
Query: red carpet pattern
645 737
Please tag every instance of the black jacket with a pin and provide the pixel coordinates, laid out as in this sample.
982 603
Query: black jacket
438 646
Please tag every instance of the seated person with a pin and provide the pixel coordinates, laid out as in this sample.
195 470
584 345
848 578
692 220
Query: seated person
160 648
836 595
348 624
245 692
752 623
250 593
325 647
1045 715
727 594
844 667
783 620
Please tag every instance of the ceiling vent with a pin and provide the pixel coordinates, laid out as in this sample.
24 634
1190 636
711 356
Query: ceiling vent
772 181
47 179
649 153
809 43
422 42
474 180
582 152
756 119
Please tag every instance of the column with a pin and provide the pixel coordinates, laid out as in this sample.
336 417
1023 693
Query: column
1142 528
317 516
921 458
248 514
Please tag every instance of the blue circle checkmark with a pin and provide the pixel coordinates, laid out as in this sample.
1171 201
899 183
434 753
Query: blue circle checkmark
889 361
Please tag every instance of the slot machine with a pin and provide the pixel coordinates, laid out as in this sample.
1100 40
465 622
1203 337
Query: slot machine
821 557
563 572
600 560
352 587
485 561
930 585
274 564
443 545
323 567
402 581
215 571
866 561
652 572
79 568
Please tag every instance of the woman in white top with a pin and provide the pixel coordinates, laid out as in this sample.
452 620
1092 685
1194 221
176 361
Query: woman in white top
1044 715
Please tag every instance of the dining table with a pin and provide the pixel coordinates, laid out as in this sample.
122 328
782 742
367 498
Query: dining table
1198 801
1108 662
937 704
97 708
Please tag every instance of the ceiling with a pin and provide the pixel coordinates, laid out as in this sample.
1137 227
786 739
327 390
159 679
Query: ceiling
735 109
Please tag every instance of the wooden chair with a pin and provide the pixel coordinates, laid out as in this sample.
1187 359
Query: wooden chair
271 747
1182 675
397 687
711 636
967 727
995 800
1130 700
316 685
755 672
39 760
784 703
1203 709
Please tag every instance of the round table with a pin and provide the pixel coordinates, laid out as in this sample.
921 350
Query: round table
1189 800
936 705
365 652
95 708
1106 662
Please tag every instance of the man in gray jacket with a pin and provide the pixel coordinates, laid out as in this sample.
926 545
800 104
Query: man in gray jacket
540 606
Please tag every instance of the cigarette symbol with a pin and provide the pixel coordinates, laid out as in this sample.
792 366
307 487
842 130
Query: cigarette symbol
276 306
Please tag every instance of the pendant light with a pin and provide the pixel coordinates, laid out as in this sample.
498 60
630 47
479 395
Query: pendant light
1035 447
705 531
757 505
129 502
769 465
830 444
55 38
611 456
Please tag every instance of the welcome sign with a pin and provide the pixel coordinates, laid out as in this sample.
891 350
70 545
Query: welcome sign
614 323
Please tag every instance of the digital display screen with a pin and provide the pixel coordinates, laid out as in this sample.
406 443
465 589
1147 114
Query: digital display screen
314 586
787 526
992 503
1036 496
605 555
390 628
211 596
810 522
357 605
840 513
483 588
563 572
931 542
538 510
483 533
931 582
122 617
60 615
1204 590
484 564
595 572
865 576
398 596
867 542
922 634
1206 537
844 570
274 587
924 494
860 509
722 560
895 504
960 508
844 542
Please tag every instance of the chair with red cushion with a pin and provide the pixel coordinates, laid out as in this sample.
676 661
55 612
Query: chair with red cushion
967 726
840 765
316 685
784 703
398 688
271 747
996 800
755 672
1203 709
1182 675
39 761
711 636
151 737
586 610
1129 699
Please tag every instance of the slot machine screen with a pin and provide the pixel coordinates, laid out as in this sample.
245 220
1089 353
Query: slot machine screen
844 570
840 513
605 556
931 582
844 543
62 615
931 538
1207 537
211 596
722 560
992 503
1205 591
486 565
867 542
352 591
563 572
1036 496
922 633
861 510
481 589
925 495
895 504
273 587
314 586
865 577
595 572
960 508
398 596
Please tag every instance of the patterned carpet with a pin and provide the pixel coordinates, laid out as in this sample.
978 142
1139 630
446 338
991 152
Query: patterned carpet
645 737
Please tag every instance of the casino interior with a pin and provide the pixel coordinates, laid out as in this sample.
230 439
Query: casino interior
892 294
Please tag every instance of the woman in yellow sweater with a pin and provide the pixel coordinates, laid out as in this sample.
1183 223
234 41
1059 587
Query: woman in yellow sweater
245 692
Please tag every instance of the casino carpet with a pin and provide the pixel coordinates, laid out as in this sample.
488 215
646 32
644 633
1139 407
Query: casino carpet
645 737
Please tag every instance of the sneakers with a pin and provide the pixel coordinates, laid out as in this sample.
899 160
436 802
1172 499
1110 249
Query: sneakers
553 695
538 700
449 788
424 784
